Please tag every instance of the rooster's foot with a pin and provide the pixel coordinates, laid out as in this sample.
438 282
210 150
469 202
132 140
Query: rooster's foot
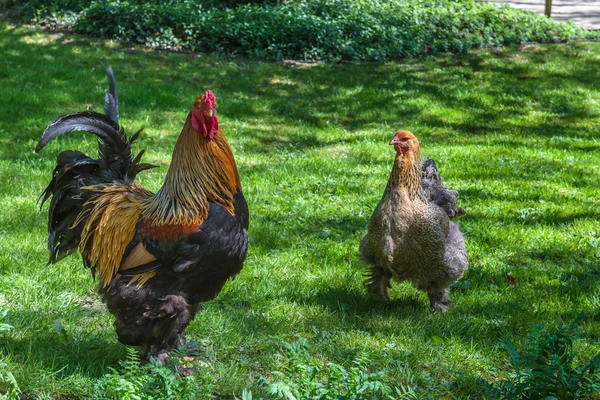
162 351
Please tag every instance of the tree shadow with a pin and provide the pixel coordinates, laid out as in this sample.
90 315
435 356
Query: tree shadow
353 97
67 350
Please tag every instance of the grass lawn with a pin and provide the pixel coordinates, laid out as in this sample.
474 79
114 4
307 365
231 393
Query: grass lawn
515 130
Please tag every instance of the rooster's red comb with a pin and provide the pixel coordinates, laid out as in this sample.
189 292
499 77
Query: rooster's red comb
209 100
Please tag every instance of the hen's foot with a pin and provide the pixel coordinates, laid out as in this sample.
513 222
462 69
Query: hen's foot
440 301
378 284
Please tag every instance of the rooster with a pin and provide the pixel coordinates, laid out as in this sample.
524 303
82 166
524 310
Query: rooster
410 236
157 256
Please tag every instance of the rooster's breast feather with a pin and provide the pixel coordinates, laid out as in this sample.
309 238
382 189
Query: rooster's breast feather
220 240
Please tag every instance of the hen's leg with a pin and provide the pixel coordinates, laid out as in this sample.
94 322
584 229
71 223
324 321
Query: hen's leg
440 300
377 283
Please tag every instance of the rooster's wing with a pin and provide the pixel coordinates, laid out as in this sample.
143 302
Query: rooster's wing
216 248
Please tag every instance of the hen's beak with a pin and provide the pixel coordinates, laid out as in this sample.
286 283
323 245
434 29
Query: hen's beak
394 141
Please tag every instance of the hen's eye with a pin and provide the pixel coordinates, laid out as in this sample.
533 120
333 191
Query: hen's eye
198 105
404 139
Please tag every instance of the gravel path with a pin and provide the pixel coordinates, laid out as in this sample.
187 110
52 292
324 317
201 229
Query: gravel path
584 12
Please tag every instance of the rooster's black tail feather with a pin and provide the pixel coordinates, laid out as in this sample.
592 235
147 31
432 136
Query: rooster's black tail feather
111 100
75 170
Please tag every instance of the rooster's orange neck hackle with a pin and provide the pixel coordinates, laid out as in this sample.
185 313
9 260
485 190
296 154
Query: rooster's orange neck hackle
406 173
202 170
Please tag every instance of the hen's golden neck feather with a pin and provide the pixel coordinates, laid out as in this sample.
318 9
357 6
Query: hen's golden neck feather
406 174
202 170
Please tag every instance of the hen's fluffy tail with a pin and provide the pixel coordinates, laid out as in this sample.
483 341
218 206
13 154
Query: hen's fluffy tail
436 192
75 171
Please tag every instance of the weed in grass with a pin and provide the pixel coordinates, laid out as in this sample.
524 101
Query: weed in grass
4 327
303 377
182 378
9 387
547 369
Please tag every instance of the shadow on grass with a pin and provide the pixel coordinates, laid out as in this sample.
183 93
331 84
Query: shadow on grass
66 356
66 350
343 299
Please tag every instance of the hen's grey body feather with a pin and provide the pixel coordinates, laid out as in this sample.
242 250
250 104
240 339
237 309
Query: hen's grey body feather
411 238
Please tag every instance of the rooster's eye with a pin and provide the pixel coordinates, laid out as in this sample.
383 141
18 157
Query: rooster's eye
198 105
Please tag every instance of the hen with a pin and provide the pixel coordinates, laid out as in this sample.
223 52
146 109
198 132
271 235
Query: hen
157 256
410 236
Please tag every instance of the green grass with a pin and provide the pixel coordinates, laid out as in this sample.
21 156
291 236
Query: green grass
515 130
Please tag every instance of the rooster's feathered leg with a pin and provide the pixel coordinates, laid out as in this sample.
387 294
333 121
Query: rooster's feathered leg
148 317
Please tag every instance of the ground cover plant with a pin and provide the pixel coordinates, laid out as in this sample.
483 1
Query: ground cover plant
546 369
515 130
303 29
